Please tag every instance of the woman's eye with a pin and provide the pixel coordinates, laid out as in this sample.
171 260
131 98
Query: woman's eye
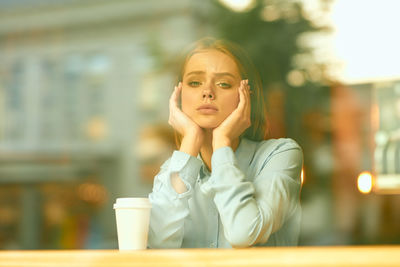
194 83
224 85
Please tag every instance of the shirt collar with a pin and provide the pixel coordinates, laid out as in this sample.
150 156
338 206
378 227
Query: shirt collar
203 169
244 155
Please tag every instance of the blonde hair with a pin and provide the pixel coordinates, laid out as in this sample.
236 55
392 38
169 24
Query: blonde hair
258 129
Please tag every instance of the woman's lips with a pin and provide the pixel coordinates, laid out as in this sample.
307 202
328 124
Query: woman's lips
207 109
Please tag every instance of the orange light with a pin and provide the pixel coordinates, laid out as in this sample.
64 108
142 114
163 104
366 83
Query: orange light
96 128
375 117
364 182
92 193
302 177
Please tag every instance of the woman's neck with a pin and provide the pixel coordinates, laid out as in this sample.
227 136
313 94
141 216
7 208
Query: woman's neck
206 149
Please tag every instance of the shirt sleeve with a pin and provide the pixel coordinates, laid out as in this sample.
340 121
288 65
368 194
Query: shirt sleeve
252 209
169 209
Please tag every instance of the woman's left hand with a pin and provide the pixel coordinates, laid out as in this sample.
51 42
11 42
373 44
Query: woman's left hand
237 122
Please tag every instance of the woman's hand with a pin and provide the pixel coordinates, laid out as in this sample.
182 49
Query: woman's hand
192 134
237 122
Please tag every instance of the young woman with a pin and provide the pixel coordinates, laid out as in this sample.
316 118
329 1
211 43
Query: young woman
225 186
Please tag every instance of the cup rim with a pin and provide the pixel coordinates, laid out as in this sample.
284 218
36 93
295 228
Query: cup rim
132 203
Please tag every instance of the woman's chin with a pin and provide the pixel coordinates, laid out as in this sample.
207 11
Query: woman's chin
207 123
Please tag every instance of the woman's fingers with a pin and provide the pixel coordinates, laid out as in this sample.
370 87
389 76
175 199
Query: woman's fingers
172 99
177 118
248 100
245 105
242 96
176 94
239 120
174 110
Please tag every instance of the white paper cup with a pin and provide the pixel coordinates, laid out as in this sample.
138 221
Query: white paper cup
133 217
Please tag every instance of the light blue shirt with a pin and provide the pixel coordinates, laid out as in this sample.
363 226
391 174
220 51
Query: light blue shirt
252 197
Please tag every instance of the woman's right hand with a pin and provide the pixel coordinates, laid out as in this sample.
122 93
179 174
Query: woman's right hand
192 134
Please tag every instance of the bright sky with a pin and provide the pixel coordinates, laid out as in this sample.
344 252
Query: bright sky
365 45
367 38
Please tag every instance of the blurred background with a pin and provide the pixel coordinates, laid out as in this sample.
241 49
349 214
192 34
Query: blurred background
84 88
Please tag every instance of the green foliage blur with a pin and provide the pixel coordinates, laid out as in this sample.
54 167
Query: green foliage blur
271 44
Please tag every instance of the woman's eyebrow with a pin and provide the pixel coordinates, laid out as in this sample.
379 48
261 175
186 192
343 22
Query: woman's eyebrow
224 74
198 72
216 73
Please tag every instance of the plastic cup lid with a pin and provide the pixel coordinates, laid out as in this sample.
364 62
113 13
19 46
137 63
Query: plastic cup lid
132 202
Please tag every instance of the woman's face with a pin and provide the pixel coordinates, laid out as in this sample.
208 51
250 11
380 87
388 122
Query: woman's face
210 88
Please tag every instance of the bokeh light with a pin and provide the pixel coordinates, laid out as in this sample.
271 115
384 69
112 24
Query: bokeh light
364 182
238 5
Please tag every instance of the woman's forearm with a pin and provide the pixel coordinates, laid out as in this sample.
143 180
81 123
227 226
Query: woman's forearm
191 144
251 209
169 209
177 183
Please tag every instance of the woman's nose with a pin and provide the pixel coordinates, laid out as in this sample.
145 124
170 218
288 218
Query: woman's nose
208 93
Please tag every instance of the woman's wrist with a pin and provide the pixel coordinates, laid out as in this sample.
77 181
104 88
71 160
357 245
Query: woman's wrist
191 144
219 142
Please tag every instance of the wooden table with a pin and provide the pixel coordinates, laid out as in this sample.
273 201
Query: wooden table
292 256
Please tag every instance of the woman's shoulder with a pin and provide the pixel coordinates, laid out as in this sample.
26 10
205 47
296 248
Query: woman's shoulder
265 149
276 145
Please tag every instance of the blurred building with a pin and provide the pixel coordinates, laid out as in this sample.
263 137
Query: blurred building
77 80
